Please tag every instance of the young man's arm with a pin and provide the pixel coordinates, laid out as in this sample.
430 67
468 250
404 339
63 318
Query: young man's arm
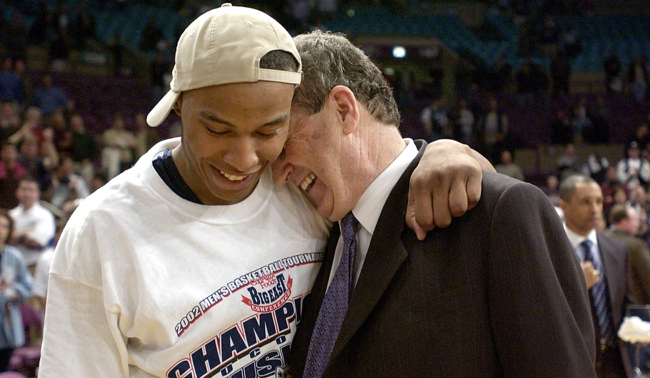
445 184
78 338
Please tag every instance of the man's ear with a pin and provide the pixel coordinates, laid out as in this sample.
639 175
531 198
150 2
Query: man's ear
178 104
346 107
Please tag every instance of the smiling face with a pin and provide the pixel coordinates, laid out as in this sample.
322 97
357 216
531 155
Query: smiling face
230 134
314 158
341 102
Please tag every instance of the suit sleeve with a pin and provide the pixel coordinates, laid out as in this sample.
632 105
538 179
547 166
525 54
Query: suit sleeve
538 299
81 337
640 269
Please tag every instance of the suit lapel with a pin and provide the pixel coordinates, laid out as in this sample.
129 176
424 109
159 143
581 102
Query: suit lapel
614 268
385 255
609 262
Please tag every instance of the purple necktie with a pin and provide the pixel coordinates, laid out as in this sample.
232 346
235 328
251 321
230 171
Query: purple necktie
598 294
335 304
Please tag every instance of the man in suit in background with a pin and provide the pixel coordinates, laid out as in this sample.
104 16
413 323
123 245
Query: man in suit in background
498 293
605 267
624 225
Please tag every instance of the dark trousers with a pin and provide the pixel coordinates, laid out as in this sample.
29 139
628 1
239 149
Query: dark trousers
609 364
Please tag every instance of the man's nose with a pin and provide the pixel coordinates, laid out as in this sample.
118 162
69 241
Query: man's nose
242 155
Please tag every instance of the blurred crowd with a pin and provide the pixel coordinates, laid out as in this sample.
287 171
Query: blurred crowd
49 162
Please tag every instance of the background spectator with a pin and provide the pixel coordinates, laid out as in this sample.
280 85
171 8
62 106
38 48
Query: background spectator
568 163
38 168
86 148
15 286
82 27
637 74
435 118
151 35
11 88
11 171
117 154
34 224
48 97
551 189
66 185
633 170
562 131
493 130
464 119
145 136
561 74
508 168
613 68
600 117
9 120
624 225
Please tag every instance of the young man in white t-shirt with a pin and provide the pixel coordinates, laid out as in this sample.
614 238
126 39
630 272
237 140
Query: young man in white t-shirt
193 262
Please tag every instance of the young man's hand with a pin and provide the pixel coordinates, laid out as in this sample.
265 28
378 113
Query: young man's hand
445 184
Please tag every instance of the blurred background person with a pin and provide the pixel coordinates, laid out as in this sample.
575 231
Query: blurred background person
624 225
11 171
34 224
605 266
86 148
15 286
552 189
117 154
633 169
66 185
507 167
145 136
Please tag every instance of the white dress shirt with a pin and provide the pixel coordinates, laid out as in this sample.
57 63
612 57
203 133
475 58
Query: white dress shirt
576 239
370 205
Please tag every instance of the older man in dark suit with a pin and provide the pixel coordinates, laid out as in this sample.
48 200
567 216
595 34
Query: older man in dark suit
499 293
624 225
605 267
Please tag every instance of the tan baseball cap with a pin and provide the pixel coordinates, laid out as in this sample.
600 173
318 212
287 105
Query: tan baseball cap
222 46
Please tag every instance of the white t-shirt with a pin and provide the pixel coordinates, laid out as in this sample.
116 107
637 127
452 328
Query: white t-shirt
146 284
40 223
42 273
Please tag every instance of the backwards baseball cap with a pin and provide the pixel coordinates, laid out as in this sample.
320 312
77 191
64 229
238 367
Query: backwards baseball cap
223 46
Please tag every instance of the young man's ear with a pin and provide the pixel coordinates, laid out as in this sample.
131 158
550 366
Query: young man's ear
346 106
178 104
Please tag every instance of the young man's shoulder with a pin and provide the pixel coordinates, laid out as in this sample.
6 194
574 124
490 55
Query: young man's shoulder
115 193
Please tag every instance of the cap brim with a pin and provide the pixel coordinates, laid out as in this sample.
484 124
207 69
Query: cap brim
159 112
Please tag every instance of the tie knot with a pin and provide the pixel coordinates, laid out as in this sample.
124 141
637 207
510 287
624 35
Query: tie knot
349 226
586 246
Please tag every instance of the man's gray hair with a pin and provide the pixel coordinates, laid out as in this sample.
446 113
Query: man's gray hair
331 59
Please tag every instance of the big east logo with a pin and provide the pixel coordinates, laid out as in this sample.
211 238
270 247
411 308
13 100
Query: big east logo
268 293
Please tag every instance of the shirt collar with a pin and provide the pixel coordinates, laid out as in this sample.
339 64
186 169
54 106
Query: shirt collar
369 207
576 239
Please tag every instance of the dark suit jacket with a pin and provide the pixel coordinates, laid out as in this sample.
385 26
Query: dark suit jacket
499 293
614 257
639 264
